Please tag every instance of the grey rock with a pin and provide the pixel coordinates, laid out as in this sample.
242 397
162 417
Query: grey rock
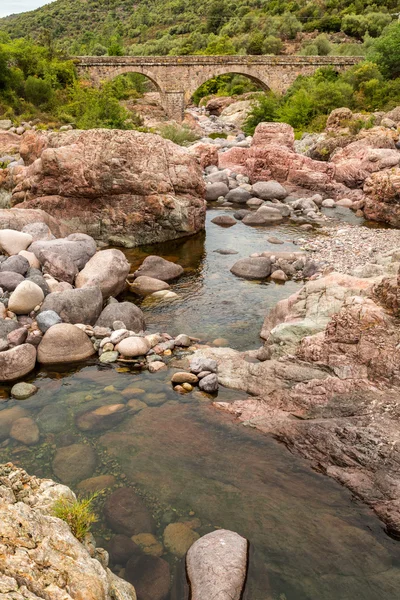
159 268
40 281
59 266
268 190
238 196
76 306
16 264
6 327
209 383
127 313
215 190
9 280
224 221
241 214
79 247
47 319
217 176
201 363
38 231
252 268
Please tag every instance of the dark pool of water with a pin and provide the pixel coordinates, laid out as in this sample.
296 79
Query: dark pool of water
309 539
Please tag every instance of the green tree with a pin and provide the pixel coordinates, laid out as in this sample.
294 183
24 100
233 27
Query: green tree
386 51
216 16
272 45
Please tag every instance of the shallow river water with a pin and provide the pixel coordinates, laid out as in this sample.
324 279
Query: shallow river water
309 539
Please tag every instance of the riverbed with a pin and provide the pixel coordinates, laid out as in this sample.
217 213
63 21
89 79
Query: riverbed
309 538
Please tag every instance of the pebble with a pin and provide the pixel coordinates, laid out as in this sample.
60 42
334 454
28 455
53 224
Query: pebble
108 357
21 391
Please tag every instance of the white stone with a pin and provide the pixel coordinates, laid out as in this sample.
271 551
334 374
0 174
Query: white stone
25 297
12 242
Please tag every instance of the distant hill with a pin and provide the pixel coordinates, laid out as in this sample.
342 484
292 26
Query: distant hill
187 26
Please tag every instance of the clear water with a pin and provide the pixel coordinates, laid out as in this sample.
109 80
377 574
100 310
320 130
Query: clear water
309 539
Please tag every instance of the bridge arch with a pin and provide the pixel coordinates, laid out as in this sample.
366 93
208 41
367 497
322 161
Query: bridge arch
217 72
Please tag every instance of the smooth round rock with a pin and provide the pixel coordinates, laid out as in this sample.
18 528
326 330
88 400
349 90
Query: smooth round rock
252 268
64 343
125 512
144 285
108 357
279 275
10 280
31 258
107 269
159 268
269 190
26 296
224 221
77 305
238 196
216 190
21 391
178 537
17 264
74 463
183 377
128 313
26 431
133 346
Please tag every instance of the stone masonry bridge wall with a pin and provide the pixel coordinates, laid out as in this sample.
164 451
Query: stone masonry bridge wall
178 77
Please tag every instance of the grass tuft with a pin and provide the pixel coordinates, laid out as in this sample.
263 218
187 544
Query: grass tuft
77 514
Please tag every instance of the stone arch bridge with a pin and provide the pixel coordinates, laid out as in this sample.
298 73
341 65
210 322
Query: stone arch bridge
178 77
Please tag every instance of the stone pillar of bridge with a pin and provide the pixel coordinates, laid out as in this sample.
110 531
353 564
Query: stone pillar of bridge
174 105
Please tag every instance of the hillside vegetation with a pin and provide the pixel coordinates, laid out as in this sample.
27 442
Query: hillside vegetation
38 80
215 26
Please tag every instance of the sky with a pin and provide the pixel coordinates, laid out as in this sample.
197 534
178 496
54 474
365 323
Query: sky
8 7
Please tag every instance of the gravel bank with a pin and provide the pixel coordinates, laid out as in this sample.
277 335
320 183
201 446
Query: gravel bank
346 247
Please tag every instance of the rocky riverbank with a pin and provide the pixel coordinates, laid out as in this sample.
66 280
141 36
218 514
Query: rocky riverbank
326 381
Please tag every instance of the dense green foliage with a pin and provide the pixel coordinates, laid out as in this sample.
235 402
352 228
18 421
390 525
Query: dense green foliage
368 86
186 27
38 83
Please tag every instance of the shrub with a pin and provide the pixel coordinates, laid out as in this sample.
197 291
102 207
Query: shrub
272 45
77 514
264 109
38 91
180 135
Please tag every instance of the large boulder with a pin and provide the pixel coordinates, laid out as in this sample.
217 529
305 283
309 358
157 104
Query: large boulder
125 512
123 187
77 247
127 312
265 215
15 264
26 296
279 134
64 343
383 197
217 565
17 362
107 269
76 306
159 268
257 267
